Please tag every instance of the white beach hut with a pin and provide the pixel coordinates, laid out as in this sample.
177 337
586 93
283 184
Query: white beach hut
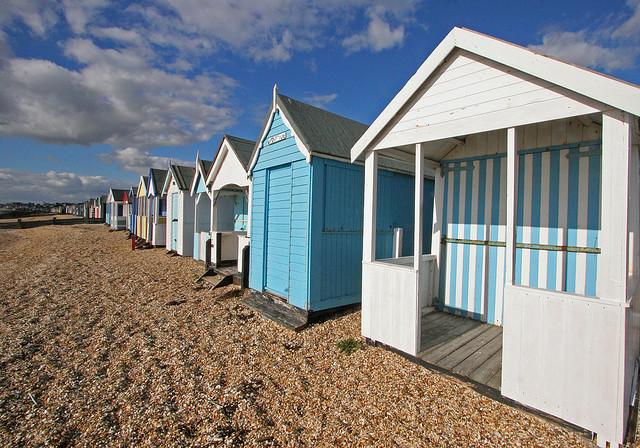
202 210
535 232
228 185
115 206
180 209
157 208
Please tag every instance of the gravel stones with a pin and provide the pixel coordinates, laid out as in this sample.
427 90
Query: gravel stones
100 345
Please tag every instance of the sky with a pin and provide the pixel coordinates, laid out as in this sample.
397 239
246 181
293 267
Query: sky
94 92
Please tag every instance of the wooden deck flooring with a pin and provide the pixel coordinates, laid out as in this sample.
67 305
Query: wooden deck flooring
463 346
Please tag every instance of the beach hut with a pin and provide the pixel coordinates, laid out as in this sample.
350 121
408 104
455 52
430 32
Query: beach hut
115 209
107 210
228 186
306 208
157 207
202 211
99 208
142 224
180 209
130 209
535 229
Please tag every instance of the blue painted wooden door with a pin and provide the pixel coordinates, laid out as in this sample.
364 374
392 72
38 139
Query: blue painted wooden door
278 230
174 220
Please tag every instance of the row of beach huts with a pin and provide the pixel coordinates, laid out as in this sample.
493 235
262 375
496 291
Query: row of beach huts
487 222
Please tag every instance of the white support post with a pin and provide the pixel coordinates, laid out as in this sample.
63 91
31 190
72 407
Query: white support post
512 206
370 207
212 217
418 207
195 213
616 153
438 219
249 208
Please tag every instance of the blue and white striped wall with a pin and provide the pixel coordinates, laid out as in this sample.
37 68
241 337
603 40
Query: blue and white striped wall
475 209
558 205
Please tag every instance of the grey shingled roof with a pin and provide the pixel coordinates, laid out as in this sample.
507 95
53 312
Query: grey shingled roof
321 131
242 147
206 166
157 177
118 194
183 175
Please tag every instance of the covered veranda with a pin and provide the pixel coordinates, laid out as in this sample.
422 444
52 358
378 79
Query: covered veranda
535 213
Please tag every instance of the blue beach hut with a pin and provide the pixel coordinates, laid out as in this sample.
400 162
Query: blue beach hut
306 208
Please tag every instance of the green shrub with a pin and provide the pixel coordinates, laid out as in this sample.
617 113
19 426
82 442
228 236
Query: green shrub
349 345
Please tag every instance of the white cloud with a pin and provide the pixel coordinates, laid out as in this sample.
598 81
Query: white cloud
118 34
139 161
320 100
115 98
79 13
380 34
38 15
142 83
273 30
52 186
613 44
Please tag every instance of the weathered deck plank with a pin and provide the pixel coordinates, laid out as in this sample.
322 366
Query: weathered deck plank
466 347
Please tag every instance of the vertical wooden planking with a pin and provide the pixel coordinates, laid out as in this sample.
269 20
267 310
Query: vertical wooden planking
299 225
488 213
438 223
418 209
256 265
512 220
616 150
544 218
561 266
466 234
459 205
534 204
477 213
582 230
593 221
502 253
525 204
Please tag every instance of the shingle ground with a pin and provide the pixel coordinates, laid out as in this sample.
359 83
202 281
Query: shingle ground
102 345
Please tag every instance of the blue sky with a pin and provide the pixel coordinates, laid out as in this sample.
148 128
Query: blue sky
93 92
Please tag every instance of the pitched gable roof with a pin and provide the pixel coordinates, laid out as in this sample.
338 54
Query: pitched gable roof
202 169
321 131
242 147
588 83
156 179
205 167
144 182
183 175
118 194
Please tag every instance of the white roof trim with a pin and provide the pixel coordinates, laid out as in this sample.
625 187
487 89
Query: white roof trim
152 190
219 159
272 111
263 135
144 186
196 176
301 146
167 181
194 181
598 86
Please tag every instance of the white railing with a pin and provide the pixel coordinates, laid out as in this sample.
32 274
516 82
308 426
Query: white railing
393 296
